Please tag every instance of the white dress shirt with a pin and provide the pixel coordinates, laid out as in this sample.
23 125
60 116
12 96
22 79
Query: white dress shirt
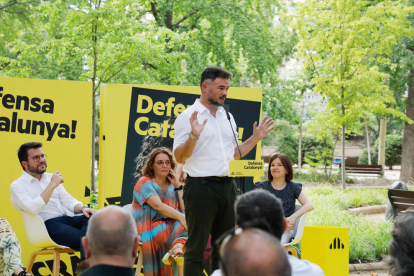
25 195
215 147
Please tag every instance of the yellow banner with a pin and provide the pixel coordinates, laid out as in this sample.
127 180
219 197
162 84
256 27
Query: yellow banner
243 168
57 114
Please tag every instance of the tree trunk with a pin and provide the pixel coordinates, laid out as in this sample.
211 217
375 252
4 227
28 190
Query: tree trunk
300 137
381 146
407 157
95 68
93 188
368 145
343 156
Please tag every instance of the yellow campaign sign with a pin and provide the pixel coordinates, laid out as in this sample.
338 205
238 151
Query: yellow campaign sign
243 168
57 114
327 247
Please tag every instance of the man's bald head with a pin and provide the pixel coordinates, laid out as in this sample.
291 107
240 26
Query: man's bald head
254 252
111 232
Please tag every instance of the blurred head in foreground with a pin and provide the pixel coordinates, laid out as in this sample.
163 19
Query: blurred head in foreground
111 238
402 245
253 252
261 204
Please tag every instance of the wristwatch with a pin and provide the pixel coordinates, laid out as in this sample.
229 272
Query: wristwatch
82 208
192 136
179 188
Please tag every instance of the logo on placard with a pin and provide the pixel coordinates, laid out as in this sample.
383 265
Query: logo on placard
336 244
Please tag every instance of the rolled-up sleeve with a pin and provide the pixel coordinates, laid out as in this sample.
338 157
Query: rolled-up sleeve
68 201
21 200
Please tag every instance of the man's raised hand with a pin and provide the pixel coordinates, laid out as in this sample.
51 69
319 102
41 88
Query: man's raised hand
259 132
196 127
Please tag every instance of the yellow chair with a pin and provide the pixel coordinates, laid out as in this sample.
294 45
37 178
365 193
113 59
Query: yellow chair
38 236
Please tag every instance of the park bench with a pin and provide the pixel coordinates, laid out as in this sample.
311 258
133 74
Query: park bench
372 170
400 200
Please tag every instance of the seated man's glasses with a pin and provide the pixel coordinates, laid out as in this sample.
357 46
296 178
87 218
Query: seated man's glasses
36 158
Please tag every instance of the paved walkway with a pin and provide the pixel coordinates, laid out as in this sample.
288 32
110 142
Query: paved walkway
369 273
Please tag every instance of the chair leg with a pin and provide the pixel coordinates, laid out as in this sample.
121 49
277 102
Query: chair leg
31 261
56 263
292 250
140 261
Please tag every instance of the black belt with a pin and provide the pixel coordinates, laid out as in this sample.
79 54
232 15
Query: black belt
213 178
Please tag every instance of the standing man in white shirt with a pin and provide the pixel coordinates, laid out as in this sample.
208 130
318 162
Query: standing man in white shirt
205 141
40 193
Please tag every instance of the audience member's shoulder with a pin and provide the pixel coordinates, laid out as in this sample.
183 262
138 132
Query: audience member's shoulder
303 267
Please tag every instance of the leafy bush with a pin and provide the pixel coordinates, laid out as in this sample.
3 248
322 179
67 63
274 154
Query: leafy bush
393 151
318 177
317 151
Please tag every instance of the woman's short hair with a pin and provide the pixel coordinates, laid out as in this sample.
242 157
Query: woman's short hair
285 162
401 248
148 169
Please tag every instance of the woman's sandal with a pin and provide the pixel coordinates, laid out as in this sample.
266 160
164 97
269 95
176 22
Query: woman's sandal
168 258
178 257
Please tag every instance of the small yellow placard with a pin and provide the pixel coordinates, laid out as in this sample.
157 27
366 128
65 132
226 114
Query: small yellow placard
239 168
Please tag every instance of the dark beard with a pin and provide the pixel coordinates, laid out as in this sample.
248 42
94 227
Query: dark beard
213 102
36 170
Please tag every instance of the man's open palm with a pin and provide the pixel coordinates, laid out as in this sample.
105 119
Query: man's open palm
196 127
263 129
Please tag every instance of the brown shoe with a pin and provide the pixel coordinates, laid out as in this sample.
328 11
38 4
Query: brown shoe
82 266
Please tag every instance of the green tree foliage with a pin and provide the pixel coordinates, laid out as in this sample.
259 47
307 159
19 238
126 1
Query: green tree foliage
285 138
145 42
393 151
320 146
401 71
339 41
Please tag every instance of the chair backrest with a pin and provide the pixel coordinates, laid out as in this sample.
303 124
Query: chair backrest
298 228
36 231
400 200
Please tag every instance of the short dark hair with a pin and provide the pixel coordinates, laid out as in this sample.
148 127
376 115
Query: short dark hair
261 204
402 245
213 72
22 152
148 169
285 162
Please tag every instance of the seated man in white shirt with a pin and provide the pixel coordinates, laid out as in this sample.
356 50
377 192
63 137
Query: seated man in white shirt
261 204
43 194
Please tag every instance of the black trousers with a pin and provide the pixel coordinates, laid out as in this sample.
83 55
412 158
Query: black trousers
68 231
209 208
